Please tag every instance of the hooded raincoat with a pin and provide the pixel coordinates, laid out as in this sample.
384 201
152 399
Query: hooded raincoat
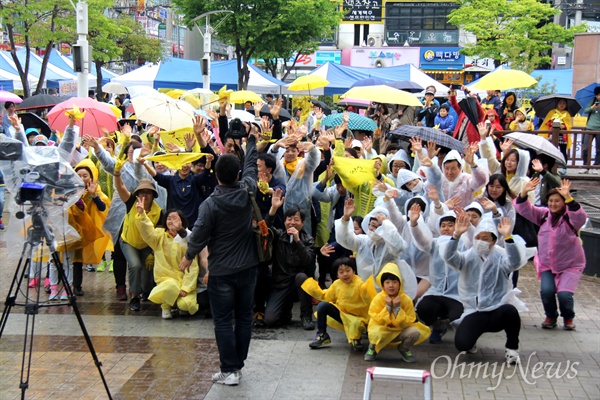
385 326
465 185
484 283
168 253
352 299
400 155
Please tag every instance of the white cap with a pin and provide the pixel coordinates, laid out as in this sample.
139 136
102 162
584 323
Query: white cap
356 143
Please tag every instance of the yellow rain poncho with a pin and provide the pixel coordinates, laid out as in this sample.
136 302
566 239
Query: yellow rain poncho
384 327
352 299
88 222
169 279
565 118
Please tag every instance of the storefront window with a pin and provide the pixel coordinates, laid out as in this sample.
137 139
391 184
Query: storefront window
419 23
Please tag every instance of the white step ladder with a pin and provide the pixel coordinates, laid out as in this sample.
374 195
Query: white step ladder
397 375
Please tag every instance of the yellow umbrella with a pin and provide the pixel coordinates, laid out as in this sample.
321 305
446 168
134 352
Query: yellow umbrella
115 110
197 97
383 94
307 83
175 93
242 96
504 79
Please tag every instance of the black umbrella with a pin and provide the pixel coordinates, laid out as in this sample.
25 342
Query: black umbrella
469 107
324 107
284 115
32 120
39 101
545 104
429 134
407 86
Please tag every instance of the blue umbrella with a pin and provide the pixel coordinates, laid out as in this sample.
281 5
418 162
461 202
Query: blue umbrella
583 96
368 82
356 122
406 86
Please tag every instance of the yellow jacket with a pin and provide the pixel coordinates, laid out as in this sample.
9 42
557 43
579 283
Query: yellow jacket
131 234
564 117
384 326
352 299
167 255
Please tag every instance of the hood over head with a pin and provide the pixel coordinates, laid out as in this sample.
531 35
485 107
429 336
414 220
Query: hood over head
486 224
377 210
384 164
405 175
393 269
89 165
401 155
475 206
453 155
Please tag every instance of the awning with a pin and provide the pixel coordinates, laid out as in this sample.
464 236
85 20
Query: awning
443 67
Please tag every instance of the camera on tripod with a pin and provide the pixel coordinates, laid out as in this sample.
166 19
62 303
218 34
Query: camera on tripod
30 192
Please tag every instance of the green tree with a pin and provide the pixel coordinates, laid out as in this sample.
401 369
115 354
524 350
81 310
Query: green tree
519 32
265 28
40 25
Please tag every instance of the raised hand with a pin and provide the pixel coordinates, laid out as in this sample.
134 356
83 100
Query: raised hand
470 151
348 142
14 121
277 103
346 117
391 193
327 250
339 130
199 124
190 141
425 161
266 126
92 142
529 186
209 160
172 147
504 227
416 144
537 165
483 130
453 202
349 208
432 149
414 213
126 130
565 188
277 199
462 224
139 205
432 194
91 188
506 145
367 145
487 204
257 107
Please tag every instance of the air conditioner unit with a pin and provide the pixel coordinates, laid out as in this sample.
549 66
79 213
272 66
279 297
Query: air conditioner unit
375 40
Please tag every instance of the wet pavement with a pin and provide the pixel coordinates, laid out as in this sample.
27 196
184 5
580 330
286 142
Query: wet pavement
145 357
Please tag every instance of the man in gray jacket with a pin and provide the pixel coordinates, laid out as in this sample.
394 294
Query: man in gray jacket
224 224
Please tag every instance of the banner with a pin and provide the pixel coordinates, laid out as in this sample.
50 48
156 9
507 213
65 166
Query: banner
354 172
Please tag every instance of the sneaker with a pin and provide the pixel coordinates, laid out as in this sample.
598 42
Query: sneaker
473 350
407 356
322 339
357 345
1 225
35 282
110 266
63 295
90 268
592 171
584 171
122 293
437 334
166 314
102 266
78 290
549 323
259 320
47 285
371 354
135 304
227 378
53 292
511 357
308 324
568 324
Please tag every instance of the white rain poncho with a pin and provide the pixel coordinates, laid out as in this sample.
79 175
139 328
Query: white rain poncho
484 282
465 185
402 156
372 253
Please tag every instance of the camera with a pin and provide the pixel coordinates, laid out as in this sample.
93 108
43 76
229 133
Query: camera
237 130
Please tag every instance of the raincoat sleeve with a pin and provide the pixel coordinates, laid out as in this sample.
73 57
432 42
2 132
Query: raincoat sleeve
454 258
313 289
367 290
392 238
69 138
421 235
345 236
434 177
312 160
395 217
322 194
339 149
515 254
529 211
577 215
20 135
250 174
478 178
488 151
147 230
106 160
380 314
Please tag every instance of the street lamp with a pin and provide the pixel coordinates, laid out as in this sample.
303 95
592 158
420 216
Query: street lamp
82 56
205 62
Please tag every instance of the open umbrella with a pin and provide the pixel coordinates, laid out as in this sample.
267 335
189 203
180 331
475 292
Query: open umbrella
242 96
545 104
356 121
368 82
504 79
429 134
114 87
97 115
307 83
383 94
32 120
163 111
8 96
284 115
585 94
116 110
407 86
242 115
354 102
324 106
41 100
537 144
175 93
139 90
198 97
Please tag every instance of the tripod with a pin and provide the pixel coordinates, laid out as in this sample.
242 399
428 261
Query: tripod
39 234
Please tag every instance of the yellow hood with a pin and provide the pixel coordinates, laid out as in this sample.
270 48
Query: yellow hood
384 163
89 164
390 268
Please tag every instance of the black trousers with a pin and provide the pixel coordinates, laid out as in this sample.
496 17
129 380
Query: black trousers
432 308
119 265
324 310
505 317
263 286
281 301
77 274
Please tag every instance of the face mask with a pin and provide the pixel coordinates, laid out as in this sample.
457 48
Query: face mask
481 247
418 188
373 236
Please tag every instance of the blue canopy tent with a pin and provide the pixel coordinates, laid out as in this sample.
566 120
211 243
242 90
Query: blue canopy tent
65 63
9 76
54 75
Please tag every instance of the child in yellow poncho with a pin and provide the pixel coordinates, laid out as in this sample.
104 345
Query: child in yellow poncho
173 287
393 320
346 303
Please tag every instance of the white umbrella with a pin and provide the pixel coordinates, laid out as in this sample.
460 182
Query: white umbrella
139 90
163 111
243 115
114 87
537 144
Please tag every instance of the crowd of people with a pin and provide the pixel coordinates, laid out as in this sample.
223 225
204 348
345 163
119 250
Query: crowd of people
393 242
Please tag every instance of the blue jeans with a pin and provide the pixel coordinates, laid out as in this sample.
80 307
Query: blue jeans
141 279
584 149
548 293
231 296
1 201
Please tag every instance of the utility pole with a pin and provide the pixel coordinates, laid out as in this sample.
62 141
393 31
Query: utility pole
82 31
208 31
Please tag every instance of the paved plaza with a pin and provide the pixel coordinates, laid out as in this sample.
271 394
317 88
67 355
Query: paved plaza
145 357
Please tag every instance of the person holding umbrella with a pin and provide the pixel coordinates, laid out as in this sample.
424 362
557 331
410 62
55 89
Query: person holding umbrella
9 106
592 109
566 123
